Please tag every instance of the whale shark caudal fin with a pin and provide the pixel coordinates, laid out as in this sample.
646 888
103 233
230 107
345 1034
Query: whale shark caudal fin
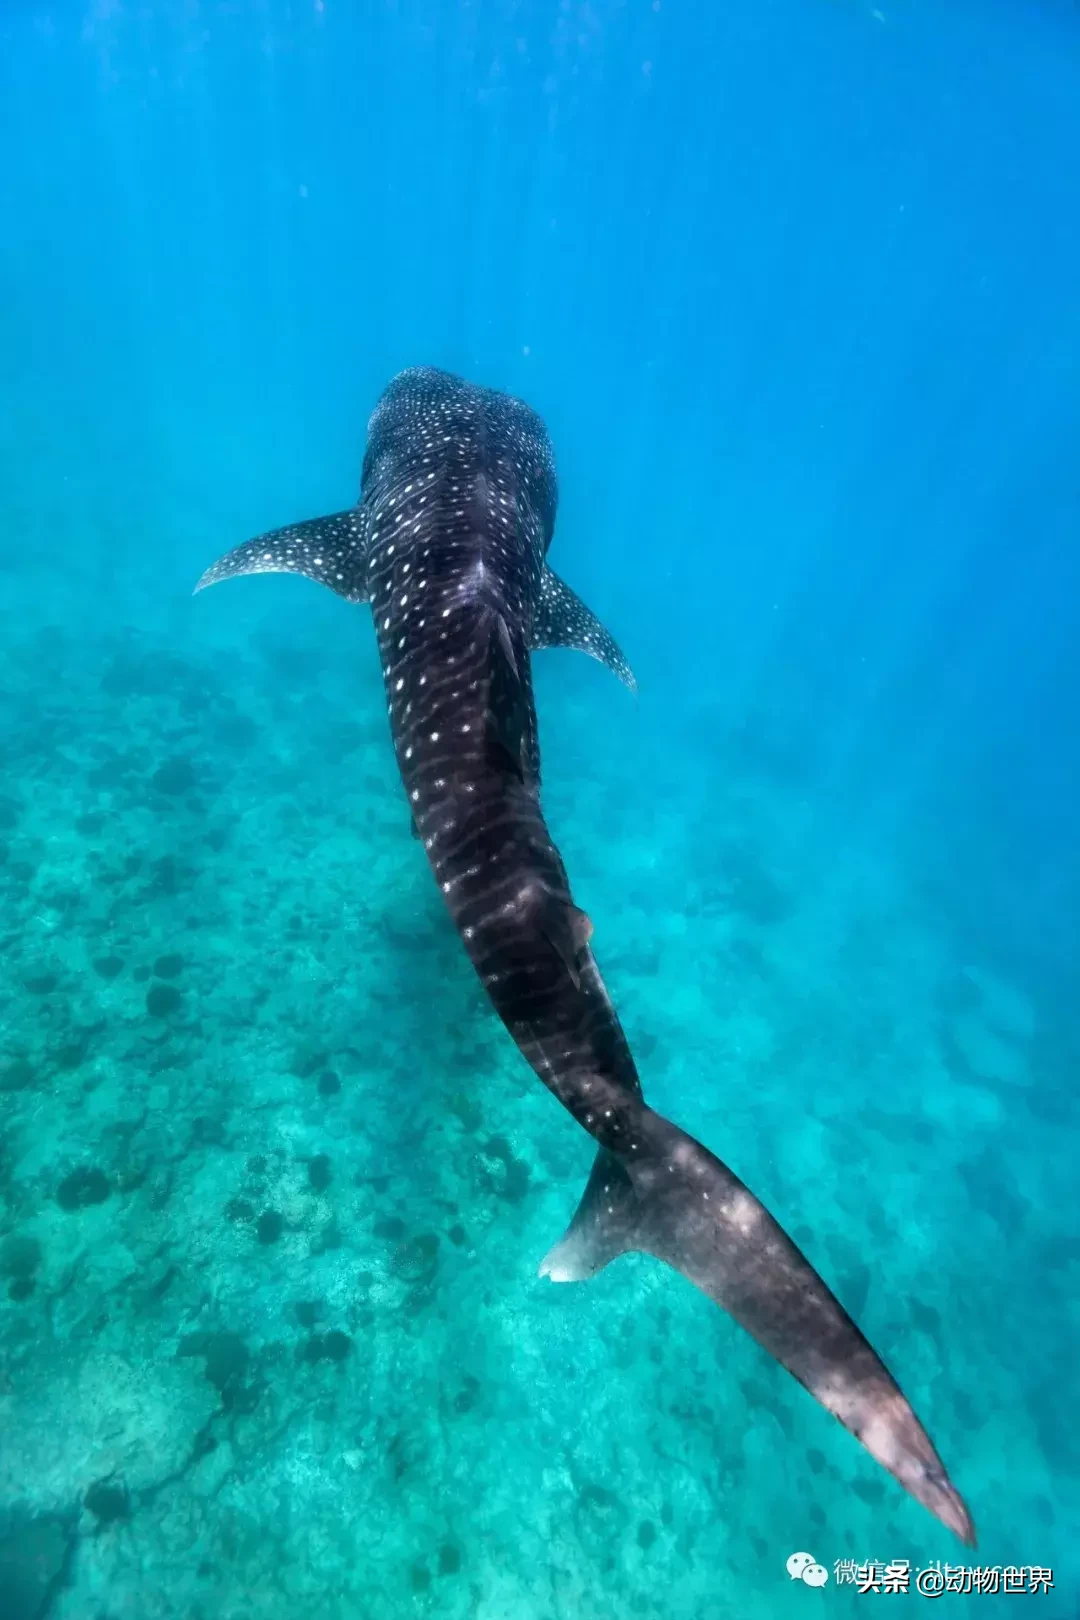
561 619
330 550
673 1199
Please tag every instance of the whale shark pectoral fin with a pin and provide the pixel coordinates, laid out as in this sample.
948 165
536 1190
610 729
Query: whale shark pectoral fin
670 1197
330 550
561 619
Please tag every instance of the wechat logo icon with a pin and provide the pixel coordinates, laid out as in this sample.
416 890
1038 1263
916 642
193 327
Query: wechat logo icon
803 1566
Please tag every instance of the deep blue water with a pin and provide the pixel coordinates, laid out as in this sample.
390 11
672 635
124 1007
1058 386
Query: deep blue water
794 285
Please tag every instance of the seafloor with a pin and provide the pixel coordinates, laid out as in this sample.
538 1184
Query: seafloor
274 1184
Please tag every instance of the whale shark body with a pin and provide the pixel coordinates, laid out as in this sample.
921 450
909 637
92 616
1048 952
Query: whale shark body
449 544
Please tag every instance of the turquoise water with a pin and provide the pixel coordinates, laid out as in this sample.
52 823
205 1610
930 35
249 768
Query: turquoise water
793 284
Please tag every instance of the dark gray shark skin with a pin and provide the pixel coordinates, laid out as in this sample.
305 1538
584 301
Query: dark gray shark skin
448 544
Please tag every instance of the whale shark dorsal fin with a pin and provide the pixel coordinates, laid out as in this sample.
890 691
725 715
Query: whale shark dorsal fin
561 619
330 550
510 722
568 931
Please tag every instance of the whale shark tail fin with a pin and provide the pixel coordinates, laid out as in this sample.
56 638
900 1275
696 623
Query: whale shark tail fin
330 550
604 1226
670 1197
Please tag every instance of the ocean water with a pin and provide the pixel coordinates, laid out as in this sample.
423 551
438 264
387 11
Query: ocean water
794 285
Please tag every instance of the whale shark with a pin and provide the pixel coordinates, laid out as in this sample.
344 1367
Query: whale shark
448 545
